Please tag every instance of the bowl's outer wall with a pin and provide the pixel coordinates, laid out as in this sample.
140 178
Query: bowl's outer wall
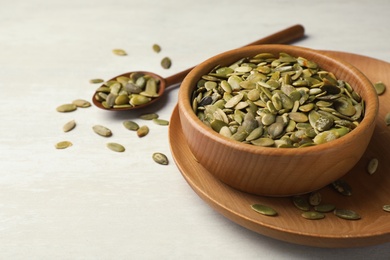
276 171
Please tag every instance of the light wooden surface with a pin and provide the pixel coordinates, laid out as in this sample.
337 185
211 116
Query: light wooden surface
370 192
87 202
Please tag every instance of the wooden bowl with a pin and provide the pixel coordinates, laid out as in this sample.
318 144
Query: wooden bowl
271 171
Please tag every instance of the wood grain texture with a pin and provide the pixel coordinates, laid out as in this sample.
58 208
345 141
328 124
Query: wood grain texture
370 192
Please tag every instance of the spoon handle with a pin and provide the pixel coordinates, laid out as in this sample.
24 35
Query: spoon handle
285 36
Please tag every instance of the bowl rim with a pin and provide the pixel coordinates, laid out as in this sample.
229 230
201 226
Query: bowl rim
187 86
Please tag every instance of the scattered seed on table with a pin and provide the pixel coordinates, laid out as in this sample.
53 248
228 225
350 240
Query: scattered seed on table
149 116
160 121
63 145
166 63
81 103
116 147
66 108
160 158
102 130
143 131
119 52
96 81
69 126
156 48
131 125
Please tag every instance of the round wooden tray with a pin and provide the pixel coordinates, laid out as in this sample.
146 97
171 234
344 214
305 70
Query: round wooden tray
370 192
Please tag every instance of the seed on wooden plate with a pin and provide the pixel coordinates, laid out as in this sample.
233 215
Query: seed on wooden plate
102 130
142 131
116 147
96 81
264 210
160 121
160 158
119 52
81 103
69 126
380 87
315 198
63 144
342 187
166 63
312 215
66 108
131 125
301 203
324 208
387 119
386 208
346 214
149 116
372 165
156 48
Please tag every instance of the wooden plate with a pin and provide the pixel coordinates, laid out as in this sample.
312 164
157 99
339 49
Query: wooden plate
370 192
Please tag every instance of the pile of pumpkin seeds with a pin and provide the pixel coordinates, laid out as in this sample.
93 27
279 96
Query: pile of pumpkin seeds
277 101
128 91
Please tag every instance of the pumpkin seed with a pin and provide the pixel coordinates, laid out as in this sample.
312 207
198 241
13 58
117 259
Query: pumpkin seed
324 208
346 214
387 119
131 125
312 215
102 130
166 63
96 81
116 147
81 103
380 87
63 144
66 108
160 158
372 166
264 210
119 52
156 48
386 208
142 131
342 187
149 116
160 121
69 126
301 203
315 198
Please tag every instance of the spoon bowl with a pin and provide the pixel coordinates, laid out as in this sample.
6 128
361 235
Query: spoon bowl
285 36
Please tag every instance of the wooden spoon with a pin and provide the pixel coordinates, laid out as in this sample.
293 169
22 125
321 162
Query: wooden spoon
285 36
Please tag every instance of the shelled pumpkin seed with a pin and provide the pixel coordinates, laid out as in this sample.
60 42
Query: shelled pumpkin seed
102 130
158 121
149 116
131 125
372 166
386 208
69 126
130 90
342 187
96 81
119 52
313 215
81 103
156 48
264 210
143 131
380 87
160 158
301 202
166 63
116 147
346 214
387 119
324 208
293 101
63 145
66 108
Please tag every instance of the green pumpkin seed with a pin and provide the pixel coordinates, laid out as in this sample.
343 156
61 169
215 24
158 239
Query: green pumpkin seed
342 187
148 116
324 208
66 108
142 131
312 215
137 100
156 48
116 147
301 203
264 210
315 198
387 119
380 87
63 145
119 52
160 158
160 121
386 208
131 125
69 126
102 130
96 81
372 166
166 63
81 103
346 214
